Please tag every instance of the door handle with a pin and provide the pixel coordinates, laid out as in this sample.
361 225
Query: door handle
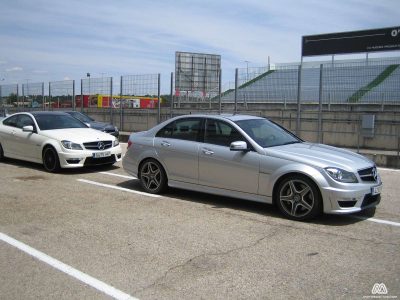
207 151
165 144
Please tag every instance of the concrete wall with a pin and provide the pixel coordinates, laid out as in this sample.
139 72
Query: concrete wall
341 126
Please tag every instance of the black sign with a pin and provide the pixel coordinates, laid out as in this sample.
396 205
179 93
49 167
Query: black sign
385 39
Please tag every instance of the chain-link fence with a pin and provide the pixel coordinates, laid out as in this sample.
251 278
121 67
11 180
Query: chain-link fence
365 81
33 95
61 94
8 95
138 92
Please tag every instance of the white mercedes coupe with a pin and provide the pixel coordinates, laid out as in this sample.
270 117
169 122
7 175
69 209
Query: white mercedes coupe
56 140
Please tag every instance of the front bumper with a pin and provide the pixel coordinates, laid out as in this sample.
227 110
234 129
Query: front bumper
81 158
346 201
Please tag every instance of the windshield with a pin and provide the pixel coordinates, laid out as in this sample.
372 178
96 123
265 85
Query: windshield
49 122
266 133
81 117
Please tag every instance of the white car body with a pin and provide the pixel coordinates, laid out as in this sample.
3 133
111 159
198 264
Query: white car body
28 143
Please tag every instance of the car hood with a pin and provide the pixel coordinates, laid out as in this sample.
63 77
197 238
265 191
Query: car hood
101 125
320 155
77 135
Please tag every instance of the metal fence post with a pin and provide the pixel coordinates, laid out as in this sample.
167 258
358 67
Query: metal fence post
320 104
121 107
172 95
43 95
236 88
81 95
298 100
158 97
49 95
73 95
220 91
111 101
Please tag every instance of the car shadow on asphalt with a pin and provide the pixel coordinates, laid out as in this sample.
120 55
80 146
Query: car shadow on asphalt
263 209
215 201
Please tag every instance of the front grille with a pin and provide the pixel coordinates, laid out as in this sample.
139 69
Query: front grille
369 199
98 145
369 174
90 161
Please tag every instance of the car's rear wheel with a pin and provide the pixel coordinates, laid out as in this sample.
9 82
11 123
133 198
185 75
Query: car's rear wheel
298 198
51 161
152 177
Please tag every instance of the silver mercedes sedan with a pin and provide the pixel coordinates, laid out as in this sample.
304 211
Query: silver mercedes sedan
252 158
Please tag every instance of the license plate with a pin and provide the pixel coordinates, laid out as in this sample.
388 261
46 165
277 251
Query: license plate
376 190
101 154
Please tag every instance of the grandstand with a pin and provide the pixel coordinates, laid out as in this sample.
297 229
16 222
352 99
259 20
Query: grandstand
352 81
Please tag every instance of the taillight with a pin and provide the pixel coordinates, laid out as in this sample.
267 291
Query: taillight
129 143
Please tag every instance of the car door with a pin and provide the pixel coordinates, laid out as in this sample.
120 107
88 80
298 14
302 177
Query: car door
8 139
26 142
177 146
220 167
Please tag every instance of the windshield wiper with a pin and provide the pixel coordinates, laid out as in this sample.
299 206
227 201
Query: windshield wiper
289 143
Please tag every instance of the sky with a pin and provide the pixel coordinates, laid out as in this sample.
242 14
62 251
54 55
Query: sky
53 40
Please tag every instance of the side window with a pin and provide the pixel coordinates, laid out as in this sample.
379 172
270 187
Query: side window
11 121
24 120
221 133
182 129
166 131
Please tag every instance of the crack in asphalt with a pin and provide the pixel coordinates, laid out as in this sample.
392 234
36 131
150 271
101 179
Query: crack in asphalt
249 218
221 253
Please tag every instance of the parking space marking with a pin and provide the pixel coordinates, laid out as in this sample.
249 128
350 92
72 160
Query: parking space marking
118 188
387 169
83 277
378 221
118 175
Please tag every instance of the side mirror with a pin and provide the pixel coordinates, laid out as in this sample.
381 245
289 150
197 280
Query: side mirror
28 128
238 146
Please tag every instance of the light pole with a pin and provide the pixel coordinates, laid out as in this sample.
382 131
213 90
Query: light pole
88 76
247 68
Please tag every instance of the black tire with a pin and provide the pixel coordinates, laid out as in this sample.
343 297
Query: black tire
1 153
152 177
50 159
298 198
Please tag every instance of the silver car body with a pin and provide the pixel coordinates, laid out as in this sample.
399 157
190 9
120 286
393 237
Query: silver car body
253 175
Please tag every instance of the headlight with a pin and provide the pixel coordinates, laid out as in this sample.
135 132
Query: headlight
341 175
116 143
70 145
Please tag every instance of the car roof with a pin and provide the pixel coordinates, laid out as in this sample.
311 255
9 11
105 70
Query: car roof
48 113
231 117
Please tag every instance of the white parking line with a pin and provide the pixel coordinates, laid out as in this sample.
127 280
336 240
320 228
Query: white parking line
387 169
118 188
85 278
118 175
378 221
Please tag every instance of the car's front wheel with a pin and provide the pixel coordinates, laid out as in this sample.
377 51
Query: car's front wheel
298 198
152 177
51 161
